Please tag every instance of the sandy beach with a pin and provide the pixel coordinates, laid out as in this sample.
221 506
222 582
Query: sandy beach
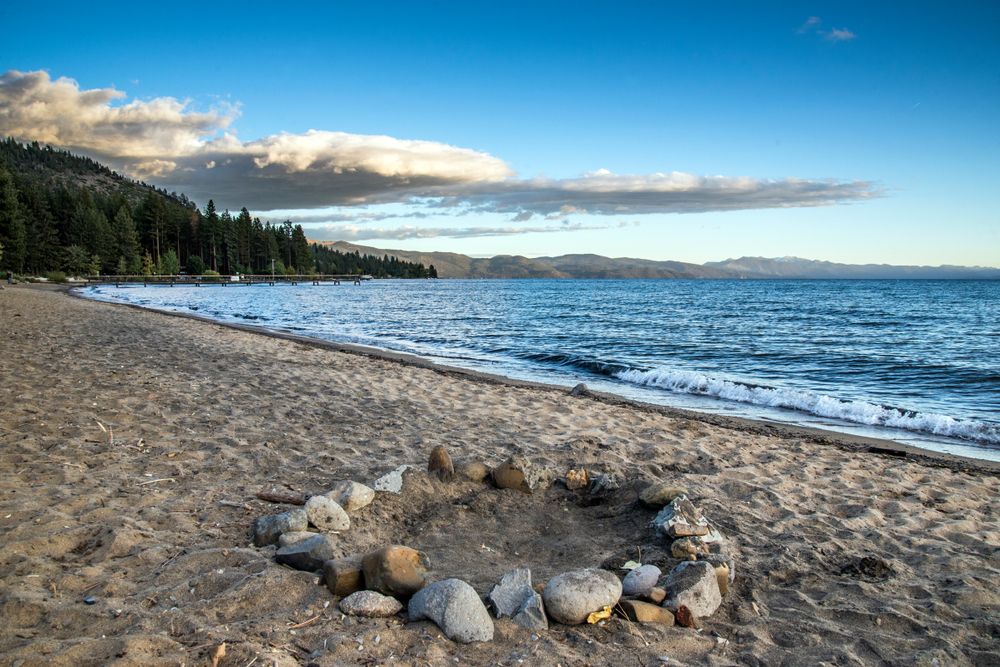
845 557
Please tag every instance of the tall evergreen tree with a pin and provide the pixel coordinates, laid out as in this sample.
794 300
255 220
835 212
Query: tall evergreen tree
126 241
13 234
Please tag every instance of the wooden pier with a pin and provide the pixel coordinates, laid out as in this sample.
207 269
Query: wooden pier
222 281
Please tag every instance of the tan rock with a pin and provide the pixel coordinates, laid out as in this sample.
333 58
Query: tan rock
517 472
395 570
656 595
440 464
343 576
474 470
661 494
644 612
688 548
577 479
722 574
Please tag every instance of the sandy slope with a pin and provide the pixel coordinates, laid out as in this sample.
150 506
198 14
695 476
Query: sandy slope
155 526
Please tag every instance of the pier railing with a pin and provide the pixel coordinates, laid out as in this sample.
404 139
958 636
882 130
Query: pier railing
238 279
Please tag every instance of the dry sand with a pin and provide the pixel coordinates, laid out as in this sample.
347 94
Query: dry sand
155 526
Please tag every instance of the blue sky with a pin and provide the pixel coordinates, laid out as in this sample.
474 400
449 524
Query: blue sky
890 114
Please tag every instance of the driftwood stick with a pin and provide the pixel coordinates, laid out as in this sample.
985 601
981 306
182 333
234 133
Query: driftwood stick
279 497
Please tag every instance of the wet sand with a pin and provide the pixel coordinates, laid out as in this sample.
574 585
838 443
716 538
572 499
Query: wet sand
155 525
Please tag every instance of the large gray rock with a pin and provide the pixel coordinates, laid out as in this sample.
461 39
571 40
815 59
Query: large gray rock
370 605
572 596
513 596
392 482
456 608
693 584
308 554
681 519
641 580
327 515
352 496
267 529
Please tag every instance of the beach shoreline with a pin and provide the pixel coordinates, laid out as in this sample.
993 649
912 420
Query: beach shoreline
846 441
134 447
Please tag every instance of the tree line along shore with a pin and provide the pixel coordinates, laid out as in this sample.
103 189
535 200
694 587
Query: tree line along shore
65 214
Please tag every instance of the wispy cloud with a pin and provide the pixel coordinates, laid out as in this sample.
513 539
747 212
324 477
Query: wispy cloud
839 35
812 25
408 232
198 152
809 24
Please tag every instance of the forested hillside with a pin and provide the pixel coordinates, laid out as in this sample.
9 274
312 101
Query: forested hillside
62 212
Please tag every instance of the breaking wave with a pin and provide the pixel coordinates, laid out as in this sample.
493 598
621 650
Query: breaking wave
858 412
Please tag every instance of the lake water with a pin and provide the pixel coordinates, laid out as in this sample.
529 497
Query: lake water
913 361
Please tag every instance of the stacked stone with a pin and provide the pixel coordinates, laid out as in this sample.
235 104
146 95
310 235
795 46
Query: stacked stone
694 587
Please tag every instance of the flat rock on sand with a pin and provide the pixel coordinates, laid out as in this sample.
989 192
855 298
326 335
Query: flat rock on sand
370 604
456 608
392 481
308 554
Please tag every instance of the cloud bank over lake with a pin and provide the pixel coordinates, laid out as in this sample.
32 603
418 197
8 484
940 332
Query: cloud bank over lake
167 142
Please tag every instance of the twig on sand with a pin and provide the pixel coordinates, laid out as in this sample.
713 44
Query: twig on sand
278 497
109 431
154 481
304 623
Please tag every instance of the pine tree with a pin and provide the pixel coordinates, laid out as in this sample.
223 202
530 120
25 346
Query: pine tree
12 230
126 240
300 250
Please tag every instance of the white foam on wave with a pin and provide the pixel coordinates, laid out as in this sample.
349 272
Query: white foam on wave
858 412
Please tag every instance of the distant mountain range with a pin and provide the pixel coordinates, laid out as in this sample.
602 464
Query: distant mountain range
454 265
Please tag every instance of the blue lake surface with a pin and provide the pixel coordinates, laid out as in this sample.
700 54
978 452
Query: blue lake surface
913 361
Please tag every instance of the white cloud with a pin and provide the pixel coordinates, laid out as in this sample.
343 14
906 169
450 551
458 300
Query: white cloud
197 153
839 35
36 108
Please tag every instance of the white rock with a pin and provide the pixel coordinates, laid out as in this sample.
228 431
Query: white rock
326 514
370 604
352 496
392 482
